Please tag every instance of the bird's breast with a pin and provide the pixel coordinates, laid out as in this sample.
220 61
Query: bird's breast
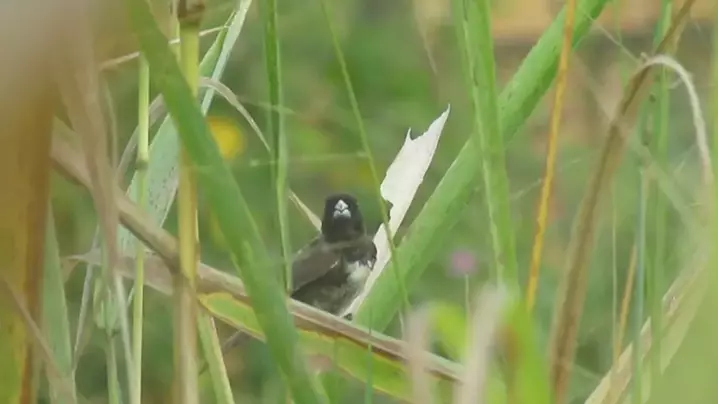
357 273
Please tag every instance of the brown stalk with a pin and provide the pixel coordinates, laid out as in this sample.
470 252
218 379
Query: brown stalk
306 318
572 292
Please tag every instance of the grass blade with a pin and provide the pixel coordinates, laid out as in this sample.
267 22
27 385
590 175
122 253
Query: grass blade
56 325
224 196
213 353
273 64
547 184
143 156
475 36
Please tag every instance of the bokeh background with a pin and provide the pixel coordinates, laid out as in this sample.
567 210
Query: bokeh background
404 64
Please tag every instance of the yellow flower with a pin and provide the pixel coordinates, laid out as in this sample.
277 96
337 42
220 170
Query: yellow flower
227 135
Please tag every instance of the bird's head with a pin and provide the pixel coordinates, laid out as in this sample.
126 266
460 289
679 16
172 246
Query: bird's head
342 219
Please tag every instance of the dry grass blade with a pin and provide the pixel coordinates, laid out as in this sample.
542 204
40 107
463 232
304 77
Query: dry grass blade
625 306
417 336
550 168
698 121
485 324
569 305
55 376
80 90
623 315
79 86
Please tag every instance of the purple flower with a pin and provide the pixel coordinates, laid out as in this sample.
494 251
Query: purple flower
463 262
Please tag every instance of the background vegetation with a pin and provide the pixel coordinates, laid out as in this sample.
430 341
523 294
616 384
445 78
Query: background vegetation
405 66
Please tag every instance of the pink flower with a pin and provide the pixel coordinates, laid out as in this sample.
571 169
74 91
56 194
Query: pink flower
463 262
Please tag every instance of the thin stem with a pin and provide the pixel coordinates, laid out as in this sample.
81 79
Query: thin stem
189 14
141 196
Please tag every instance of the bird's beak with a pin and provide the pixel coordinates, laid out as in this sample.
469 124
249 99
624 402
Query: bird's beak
345 213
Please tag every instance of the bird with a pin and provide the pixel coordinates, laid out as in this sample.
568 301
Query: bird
331 270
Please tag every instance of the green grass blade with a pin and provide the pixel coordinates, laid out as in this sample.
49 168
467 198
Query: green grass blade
213 352
225 198
715 111
639 296
441 211
273 64
54 310
138 299
655 274
473 20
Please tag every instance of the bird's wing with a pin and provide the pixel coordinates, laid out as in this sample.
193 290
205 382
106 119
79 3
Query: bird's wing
313 262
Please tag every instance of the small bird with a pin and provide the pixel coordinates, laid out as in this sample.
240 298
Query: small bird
330 271
333 268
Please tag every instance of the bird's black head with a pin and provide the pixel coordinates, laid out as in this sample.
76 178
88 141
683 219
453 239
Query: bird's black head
342 219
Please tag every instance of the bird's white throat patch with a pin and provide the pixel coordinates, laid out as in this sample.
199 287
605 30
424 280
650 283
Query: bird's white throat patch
358 273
